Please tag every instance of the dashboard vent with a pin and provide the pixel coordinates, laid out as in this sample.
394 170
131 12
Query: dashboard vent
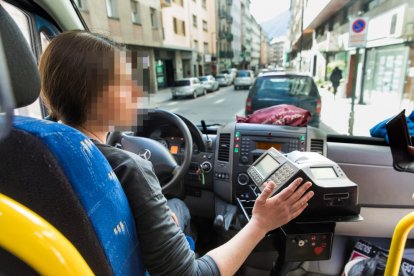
316 145
224 147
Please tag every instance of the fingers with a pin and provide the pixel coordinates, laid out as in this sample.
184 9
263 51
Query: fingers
299 192
296 213
266 193
288 191
301 204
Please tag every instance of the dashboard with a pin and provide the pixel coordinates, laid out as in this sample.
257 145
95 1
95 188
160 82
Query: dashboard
223 159
239 145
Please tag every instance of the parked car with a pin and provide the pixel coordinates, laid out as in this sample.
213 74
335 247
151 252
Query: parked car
223 79
231 72
285 88
244 78
209 83
188 87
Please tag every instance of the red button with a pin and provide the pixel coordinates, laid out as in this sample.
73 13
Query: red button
318 250
313 238
237 145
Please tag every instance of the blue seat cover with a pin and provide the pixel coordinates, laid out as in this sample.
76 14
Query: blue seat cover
97 188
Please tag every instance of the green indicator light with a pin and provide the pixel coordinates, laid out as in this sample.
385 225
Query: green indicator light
302 138
236 149
237 134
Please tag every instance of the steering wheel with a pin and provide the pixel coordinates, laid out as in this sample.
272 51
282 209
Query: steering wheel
166 168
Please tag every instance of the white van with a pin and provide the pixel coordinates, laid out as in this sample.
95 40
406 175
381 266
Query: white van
244 78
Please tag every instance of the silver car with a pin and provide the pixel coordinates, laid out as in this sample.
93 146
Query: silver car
188 87
223 79
209 83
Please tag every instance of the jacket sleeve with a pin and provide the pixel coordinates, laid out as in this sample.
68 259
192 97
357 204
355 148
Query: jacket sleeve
164 248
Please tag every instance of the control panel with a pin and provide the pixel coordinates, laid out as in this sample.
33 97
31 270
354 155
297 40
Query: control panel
308 242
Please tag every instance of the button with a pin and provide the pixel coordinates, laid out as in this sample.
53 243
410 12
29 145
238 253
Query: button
318 250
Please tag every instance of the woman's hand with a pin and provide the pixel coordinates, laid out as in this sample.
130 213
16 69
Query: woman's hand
271 213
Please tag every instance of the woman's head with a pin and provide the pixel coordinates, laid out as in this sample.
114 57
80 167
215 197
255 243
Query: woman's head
87 79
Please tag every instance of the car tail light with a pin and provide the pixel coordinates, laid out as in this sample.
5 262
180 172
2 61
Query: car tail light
318 106
248 105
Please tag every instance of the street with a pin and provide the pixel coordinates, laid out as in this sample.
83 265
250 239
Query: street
219 107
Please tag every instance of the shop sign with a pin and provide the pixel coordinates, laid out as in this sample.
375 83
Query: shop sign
207 58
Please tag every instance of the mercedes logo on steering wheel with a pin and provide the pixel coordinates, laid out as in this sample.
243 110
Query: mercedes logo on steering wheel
146 154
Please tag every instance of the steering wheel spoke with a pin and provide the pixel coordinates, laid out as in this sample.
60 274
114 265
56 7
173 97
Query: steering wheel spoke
165 166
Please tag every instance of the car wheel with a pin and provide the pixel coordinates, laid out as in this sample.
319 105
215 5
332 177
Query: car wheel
194 94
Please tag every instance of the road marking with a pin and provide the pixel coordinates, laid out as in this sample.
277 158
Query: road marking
219 101
171 103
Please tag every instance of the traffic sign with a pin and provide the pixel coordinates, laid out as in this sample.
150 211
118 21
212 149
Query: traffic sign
358 29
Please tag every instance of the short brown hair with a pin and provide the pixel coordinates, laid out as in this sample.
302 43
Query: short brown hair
74 68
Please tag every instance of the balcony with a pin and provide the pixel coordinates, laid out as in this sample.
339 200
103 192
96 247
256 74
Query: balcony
229 19
226 54
165 3
229 2
229 37
222 14
222 34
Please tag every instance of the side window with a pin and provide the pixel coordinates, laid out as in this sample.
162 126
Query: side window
23 22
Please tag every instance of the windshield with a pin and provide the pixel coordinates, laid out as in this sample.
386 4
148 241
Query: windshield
359 54
181 83
203 79
282 86
243 74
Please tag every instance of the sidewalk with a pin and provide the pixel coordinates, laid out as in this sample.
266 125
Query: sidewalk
155 99
335 112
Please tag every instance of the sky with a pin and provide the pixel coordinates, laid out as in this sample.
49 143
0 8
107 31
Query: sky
264 10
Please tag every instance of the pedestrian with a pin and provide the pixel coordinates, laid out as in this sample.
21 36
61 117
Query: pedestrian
335 78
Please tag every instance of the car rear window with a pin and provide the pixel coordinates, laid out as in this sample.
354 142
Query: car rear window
182 83
203 79
219 77
283 86
243 74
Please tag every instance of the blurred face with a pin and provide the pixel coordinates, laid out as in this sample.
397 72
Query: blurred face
117 106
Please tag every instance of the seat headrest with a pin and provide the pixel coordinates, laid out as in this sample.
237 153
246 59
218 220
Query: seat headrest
24 75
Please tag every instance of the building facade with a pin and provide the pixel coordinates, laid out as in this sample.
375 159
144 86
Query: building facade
381 69
136 23
278 49
256 45
229 33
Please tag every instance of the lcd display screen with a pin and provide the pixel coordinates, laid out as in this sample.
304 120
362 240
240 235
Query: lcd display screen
266 165
174 149
323 173
268 145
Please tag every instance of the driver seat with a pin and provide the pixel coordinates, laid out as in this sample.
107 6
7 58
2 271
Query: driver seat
57 172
